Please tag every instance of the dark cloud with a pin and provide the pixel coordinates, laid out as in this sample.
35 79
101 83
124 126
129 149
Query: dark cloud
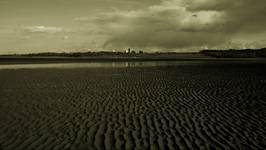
166 26
240 15
178 24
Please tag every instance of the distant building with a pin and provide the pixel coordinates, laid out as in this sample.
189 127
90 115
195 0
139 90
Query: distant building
128 50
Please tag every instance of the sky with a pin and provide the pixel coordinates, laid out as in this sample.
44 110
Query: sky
33 26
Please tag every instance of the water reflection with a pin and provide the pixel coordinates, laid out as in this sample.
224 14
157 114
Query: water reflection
95 65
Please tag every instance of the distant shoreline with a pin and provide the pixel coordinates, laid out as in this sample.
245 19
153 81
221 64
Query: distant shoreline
204 55
44 60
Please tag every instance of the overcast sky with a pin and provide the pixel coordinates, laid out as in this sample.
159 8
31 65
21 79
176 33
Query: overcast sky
150 25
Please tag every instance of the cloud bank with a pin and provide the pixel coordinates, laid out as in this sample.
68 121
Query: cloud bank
182 24
149 25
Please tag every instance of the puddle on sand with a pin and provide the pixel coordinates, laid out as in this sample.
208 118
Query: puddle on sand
123 64
96 65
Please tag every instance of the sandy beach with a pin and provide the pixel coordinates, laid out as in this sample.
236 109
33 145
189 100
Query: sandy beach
187 106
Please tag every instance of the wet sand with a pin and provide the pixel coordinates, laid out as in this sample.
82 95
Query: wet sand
188 106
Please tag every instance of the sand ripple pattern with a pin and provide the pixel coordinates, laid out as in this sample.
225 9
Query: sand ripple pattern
221 106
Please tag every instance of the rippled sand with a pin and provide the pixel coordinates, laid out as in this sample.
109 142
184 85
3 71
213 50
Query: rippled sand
203 106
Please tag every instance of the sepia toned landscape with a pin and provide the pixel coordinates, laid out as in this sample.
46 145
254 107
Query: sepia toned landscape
172 105
132 75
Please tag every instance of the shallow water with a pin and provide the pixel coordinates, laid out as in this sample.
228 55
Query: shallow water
123 64
96 64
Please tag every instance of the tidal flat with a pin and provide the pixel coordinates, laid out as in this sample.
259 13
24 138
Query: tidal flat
133 105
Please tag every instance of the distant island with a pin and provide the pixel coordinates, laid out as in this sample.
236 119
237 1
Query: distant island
233 53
